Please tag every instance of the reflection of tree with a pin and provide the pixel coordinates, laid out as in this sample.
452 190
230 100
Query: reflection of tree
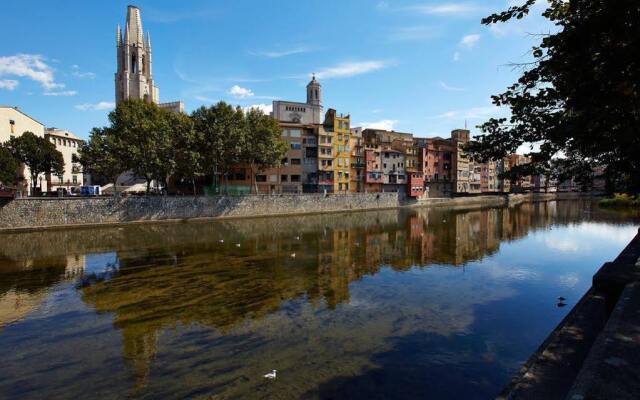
180 274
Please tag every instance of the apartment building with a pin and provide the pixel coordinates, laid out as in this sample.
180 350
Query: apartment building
68 144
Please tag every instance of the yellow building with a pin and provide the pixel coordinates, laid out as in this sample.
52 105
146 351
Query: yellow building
339 126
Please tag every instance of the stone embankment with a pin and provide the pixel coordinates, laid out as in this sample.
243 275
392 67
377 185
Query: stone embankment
41 213
594 353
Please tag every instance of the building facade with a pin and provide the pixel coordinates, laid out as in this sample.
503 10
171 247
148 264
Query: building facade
68 144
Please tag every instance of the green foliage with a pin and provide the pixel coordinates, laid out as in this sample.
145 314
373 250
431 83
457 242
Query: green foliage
188 160
37 153
8 167
221 129
101 156
264 147
620 200
579 99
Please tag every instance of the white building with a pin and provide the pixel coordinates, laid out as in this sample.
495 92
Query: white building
309 113
68 144
14 123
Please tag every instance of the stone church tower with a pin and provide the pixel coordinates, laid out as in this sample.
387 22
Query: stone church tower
134 76
314 92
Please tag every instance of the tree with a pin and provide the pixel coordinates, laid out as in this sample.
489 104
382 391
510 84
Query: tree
188 160
222 130
579 99
8 167
37 153
264 146
143 134
101 156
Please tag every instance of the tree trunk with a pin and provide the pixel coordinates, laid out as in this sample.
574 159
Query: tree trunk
148 185
193 183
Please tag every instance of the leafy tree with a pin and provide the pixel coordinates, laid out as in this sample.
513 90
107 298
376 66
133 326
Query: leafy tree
187 142
580 98
8 167
222 130
101 156
37 153
264 146
143 134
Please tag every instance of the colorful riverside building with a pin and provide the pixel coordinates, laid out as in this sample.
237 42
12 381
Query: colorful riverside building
357 161
337 127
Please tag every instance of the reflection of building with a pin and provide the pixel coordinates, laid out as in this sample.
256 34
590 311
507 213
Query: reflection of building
66 143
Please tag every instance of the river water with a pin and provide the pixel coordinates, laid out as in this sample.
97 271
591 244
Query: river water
419 303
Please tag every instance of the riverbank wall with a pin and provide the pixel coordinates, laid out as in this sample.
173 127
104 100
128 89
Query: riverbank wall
594 353
43 213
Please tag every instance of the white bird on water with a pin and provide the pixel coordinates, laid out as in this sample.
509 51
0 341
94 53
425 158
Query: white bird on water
271 375
237 244
221 240
297 237
293 255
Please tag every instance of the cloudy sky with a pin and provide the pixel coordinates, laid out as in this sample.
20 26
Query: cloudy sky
417 66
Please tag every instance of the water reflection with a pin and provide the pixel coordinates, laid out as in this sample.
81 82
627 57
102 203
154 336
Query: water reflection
370 305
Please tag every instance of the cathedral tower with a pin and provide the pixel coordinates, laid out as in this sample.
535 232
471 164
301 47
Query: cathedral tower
314 92
134 77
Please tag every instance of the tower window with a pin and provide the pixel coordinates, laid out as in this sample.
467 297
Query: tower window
134 66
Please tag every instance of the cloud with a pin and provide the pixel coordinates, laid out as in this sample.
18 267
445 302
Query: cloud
61 93
386 124
281 53
102 105
473 113
8 84
31 66
382 5
240 92
266 108
75 71
456 56
414 33
348 69
469 41
451 88
447 9
206 99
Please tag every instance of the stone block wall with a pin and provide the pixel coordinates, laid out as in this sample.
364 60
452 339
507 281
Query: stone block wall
36 213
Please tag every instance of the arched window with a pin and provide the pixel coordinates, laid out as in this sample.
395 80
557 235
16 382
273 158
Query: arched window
134 65
143 65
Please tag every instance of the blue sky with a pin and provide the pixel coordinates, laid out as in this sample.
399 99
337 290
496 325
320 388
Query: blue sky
417 66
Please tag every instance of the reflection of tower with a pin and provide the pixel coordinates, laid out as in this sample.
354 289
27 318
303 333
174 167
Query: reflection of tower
134 78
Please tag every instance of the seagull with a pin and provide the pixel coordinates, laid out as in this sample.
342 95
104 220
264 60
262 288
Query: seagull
271 375
561 298
561 304
297 237
221 240
293 255
237 244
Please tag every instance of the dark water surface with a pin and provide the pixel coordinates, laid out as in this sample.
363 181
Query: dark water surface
425 303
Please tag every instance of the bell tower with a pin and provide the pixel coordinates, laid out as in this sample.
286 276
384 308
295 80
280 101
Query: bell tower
314 92
134 77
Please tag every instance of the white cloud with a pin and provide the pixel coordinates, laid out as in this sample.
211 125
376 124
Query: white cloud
456 56
103 105
473 113
386 124
61 93
31 66
382 5
75 71
281 53
240 92
414 33
469 41
448 9
347 69
266 108
206 99
451 88
8 84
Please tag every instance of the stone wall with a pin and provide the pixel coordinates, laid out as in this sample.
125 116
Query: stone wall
56 212
37 213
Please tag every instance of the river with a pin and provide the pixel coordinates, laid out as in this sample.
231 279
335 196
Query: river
394 304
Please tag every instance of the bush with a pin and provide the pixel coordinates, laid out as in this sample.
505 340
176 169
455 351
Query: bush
620 200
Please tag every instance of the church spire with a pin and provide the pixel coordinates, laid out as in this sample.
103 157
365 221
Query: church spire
118 36
134 24
148 41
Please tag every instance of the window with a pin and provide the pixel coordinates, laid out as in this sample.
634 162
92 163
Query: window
339 162
384 165
239 176
75 179
339 174
340 136
295 178
284 178
295 161
339 124
346 137
261 178
346 125
12 123
295 146
294 133
60 179
273 178
340 148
